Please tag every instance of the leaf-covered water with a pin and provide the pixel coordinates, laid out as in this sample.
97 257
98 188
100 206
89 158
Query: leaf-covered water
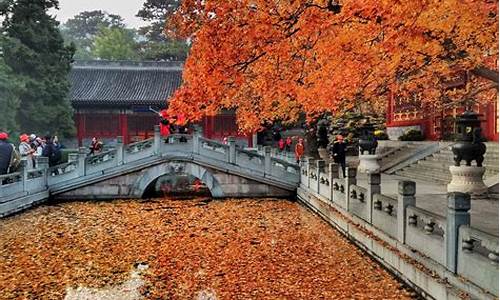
232 249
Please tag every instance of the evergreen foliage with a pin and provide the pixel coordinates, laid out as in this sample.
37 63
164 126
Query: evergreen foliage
84 27
11 86
39 55
115 44
158 46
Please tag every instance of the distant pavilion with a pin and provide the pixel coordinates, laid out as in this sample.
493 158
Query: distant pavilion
115 98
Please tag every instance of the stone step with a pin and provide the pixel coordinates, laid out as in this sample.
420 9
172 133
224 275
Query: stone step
419 176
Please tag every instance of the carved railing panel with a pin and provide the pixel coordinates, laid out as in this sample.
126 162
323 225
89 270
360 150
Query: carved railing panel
62 173
100 162
425 233
358 202
339 192
11 184
324 185
384 214
139 150
213 150
478 257
250 159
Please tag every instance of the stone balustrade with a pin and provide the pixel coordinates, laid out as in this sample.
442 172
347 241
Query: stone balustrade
432 239
82 168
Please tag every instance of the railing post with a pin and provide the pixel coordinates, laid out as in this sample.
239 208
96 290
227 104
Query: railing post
320 166
373 188
42 163
81 161
267 160
457 215
310 162
333 171
232 149
157 140
406 196
24 169
349 180
120 150
196 139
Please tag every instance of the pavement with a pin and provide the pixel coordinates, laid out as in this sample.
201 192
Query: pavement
433 197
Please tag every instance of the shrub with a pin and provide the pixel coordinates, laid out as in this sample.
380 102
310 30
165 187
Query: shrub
412 135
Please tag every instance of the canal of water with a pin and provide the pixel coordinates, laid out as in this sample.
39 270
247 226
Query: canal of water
195 248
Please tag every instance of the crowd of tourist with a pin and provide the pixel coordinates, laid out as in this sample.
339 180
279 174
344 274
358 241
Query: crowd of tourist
30 147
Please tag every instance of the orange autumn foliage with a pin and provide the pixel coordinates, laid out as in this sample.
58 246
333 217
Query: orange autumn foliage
274 60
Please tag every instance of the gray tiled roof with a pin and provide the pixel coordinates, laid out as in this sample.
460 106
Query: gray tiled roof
123 83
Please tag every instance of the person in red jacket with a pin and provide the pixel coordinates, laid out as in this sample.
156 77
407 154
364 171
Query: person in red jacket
299 150
164 123
281 145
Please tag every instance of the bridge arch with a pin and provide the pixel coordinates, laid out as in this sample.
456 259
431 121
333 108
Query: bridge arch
151 174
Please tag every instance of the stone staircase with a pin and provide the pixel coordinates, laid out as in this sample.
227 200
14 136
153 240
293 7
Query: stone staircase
392 155
435 167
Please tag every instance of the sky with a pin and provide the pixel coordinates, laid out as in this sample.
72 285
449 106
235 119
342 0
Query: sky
125 8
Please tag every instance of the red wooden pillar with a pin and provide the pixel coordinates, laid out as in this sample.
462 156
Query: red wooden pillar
80 128
123 120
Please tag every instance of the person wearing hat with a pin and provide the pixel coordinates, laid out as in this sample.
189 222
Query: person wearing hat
9 158
339 150
25 149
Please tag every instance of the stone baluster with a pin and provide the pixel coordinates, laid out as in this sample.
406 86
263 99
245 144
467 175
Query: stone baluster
406 197
82 155
309 162
349 180
157 140
457 215
267 160
231 141
373 188
120 150
333 171
196 139
42 164
24 169
320 166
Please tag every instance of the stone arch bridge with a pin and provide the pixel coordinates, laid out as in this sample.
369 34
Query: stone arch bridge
128 170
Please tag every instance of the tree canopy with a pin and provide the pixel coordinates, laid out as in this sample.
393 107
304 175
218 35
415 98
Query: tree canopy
157 45
275 60
115 44
11 87
84 27
37 54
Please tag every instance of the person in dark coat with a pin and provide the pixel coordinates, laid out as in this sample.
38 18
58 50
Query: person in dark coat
339 150
51 151
6 150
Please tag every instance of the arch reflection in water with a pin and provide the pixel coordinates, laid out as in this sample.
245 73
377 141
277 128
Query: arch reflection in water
177 185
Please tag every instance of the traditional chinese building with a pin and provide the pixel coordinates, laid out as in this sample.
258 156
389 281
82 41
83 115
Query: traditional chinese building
119 99
404 114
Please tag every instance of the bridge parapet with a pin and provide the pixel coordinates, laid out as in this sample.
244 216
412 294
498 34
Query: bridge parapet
83 169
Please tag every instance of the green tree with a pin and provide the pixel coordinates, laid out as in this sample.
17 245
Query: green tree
157 45
84 27
11 87
115 44
39 55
